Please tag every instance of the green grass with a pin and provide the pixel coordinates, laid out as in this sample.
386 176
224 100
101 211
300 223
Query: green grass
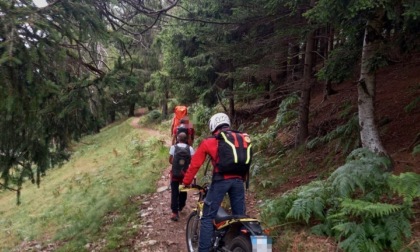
70 206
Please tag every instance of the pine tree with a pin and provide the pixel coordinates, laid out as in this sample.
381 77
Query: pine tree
53 62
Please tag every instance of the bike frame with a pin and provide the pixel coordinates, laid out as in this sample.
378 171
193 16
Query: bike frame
227 226
226 223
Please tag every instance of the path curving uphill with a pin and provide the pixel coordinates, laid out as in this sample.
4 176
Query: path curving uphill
158 233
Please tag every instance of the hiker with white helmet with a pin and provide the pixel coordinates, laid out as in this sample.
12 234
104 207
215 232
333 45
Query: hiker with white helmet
224 181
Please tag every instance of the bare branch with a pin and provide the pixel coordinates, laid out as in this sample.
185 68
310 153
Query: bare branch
9 188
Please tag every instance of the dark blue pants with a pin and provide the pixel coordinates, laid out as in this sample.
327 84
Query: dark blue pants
218 189
178 198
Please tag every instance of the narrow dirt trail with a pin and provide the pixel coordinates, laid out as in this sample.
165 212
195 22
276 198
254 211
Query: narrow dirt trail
158 233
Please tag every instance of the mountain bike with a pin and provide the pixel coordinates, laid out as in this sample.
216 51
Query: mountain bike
234 233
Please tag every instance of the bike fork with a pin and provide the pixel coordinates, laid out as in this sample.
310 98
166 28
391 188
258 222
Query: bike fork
216 243
218 236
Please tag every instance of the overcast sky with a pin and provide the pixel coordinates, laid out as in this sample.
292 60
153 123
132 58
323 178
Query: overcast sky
40 3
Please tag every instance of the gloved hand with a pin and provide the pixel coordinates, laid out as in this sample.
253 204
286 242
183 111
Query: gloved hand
182 186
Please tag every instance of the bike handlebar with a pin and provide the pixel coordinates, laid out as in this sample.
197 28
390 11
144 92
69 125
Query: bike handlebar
192 187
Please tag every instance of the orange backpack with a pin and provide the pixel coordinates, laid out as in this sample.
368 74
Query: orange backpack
180 112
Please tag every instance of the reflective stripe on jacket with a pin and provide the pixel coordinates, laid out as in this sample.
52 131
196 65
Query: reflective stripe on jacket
207 147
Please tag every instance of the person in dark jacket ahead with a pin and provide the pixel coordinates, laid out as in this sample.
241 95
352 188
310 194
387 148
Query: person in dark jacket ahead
221 184
178 199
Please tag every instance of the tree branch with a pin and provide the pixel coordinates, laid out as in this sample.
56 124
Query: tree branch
9 188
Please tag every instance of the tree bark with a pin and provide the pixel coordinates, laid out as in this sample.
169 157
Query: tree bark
305 96
231 99
112 115
369 133
293 66
131 109
330 46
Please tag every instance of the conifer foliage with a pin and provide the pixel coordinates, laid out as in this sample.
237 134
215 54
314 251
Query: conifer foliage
54 86
43 86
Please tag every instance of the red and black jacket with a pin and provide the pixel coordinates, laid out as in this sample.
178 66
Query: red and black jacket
209 147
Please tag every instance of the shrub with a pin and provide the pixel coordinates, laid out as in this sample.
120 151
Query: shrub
153 116
364 207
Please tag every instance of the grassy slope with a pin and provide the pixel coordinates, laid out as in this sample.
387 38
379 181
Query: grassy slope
72 201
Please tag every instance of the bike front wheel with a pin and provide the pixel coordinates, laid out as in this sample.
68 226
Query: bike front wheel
240 244
193 232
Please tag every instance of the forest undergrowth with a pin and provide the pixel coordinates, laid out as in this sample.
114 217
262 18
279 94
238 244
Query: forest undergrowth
308 198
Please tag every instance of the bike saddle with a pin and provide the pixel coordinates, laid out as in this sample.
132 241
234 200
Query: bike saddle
222 215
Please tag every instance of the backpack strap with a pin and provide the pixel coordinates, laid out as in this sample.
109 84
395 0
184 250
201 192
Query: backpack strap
187 146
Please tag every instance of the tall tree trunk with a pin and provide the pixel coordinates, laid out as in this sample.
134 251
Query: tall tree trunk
316 46
293 66
303 55
231 99
283 63
112 115
305 96
231 69
330 46
267 87
131 109
325 41
369 134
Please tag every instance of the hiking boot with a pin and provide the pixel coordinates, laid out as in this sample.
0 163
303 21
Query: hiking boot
174 217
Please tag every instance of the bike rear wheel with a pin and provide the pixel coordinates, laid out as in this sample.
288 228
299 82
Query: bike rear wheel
193 232
240 244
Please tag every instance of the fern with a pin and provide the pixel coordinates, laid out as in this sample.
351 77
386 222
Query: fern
354 234
347 135
406 185
353 206
263 123
394 228
285 113
368 209
310 200
416 149
275 211
374 234
363 170
412 105
265 142
301 209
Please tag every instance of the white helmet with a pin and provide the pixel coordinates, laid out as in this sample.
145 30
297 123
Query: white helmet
217 120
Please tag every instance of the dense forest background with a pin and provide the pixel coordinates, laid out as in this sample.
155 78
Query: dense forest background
72 67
